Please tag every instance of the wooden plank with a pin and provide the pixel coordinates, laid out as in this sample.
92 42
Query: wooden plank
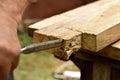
72 14
116 45
45 23
104 20
112 51
101 28
58 23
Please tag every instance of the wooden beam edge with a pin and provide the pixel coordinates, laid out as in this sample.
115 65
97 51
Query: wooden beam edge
95 43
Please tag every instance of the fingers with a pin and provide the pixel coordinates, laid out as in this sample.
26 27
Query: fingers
15 63
9 58
5 66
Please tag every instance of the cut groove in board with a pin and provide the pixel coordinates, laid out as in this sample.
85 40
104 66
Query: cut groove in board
71 43
91 29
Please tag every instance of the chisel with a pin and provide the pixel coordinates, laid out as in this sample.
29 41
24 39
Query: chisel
42 46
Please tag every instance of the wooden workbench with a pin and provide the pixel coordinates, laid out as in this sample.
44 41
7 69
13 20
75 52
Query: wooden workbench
96 67
91 35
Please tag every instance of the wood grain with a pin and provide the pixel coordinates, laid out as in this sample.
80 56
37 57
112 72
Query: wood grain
71 42
91 27
112 51
72 15
100 27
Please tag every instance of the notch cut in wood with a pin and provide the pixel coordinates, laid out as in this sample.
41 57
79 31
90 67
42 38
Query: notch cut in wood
71 43
95 26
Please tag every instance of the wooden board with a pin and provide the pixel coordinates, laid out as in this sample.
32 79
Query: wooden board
91 27
112 51
72 14
101 28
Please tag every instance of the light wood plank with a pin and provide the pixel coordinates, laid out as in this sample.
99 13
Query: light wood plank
116 45
72 14
100 28
97 26
112 51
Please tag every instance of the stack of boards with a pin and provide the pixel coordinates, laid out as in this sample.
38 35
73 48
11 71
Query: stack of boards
94 27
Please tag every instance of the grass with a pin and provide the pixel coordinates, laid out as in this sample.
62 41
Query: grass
36 66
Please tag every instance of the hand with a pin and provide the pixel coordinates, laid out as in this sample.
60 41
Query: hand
10 15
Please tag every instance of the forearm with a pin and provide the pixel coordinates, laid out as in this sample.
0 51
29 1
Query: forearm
11 12
8 26
14 8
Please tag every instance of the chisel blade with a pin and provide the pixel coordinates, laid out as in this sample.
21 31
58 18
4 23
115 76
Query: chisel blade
42 46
